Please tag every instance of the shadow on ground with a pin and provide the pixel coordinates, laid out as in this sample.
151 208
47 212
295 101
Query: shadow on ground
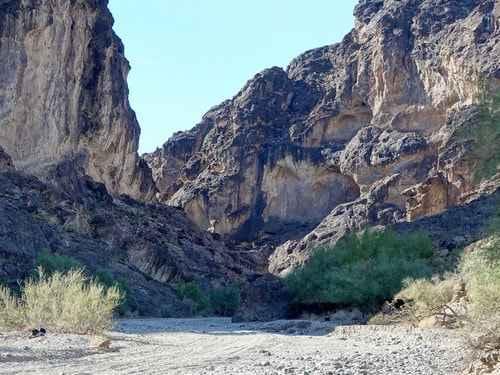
224 326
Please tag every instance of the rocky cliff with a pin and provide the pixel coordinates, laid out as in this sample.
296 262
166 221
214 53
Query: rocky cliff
72 181
63 93
150 246
360 132
363 132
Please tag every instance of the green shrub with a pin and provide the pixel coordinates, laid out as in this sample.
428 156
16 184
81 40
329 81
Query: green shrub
431 297
224 301
62 302
51 263
361 270
128 303
221 301
481 270
192 292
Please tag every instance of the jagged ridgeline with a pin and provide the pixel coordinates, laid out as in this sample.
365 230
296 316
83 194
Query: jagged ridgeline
350 135
65 118
357 133
64 95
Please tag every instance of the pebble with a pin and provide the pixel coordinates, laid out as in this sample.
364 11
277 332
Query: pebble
351 351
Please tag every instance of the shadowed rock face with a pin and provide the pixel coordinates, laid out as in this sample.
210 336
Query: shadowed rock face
319 139
5 161
151 247
358 133
238 171
63 93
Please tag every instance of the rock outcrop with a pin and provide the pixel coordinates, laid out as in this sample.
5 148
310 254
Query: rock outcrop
63 93
5 161
239 171
371 209
363 132
356 133
149 246
72 181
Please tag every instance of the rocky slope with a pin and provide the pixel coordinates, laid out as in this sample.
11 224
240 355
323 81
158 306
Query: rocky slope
360 132
363 132
149 246
63 93
65 118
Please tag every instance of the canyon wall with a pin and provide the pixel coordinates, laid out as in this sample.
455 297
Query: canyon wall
357 133
69 164
63 93
362 132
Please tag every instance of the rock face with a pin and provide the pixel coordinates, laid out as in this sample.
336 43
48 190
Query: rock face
63 93
5 161
65 118
373 208
239 170
360 132
363 132
149 246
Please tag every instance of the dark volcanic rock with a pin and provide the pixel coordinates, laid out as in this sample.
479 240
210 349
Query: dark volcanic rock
308 143
264 299
458 226
5 161
150 246
238 171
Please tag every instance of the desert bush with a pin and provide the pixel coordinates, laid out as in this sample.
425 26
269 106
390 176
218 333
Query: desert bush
192 292
62 302
432 297
127 304
481 271
478 278
224 301
51 263
361 270
10 311
221 301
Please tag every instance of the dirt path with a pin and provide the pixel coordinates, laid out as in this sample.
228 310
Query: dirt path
215 346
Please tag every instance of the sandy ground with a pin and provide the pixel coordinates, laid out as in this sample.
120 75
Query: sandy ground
216 346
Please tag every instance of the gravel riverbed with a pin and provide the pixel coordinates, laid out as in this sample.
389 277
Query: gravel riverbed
217 346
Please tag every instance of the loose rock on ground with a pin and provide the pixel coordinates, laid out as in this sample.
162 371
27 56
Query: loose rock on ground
217 346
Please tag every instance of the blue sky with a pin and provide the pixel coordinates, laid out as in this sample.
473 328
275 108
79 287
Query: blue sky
189 55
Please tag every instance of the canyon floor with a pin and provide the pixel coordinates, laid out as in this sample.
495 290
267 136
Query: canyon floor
217 346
